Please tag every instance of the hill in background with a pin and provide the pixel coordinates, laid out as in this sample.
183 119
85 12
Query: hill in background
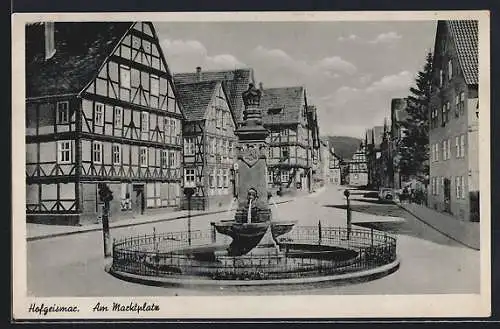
344 146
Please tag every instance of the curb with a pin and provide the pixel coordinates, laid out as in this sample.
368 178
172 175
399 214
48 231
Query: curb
437 229
87 230
355 277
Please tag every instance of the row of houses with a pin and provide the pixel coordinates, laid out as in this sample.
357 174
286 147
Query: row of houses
102 105
452 183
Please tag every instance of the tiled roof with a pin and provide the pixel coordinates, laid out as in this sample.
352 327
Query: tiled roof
465 36
81 48
236 81
195 98
289 99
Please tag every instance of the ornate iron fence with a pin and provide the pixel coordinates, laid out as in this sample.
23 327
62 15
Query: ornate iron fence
305 251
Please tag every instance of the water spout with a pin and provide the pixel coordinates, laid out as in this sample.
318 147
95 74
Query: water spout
249 214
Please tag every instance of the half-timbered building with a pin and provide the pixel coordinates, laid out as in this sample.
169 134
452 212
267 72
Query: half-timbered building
100 107
292 127
357 168
334 168
209 143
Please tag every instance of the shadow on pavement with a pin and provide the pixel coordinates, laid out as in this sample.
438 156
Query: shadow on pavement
411 226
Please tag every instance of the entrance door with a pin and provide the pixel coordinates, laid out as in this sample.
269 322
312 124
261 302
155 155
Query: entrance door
447 194
139 198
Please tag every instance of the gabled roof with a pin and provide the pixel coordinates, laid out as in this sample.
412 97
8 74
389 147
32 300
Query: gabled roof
195 98
236 81
465 36
81 48
282 105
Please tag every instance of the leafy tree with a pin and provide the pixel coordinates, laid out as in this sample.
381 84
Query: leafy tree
415 142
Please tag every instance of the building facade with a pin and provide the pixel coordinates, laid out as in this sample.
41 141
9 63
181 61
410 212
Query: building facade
100 107
334 168
209 143
291 123
398 115
358 168
374 142
453 115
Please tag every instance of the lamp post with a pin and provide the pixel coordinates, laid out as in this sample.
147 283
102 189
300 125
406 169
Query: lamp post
348 208
188 192
106 196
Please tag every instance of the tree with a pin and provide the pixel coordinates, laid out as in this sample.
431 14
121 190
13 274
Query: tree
415 142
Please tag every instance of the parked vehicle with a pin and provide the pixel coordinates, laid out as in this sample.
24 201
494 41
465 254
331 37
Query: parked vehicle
386 194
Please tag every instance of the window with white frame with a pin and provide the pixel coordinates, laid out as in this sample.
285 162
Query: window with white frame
63 151
285 152
448 149
155 86
143 157
285 176
450 69
125 76
144 121
462 146
459 187
437 151
166 126
173 132
457 147
214 145
63 112
118 117
219 178
441 188
164 159
99 114
189 177
189 146
211 179
230 149
117 154
97 152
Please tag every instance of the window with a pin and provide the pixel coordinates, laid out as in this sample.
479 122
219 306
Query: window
155 86
97 152
64 152
172 131
62 112
143 157
117 154
462 146
219 178
448 149
230 149
218 118
284 152
211 179
214 145
189 146
166 125
462 103
189 177
270 177
285 176
445 148
164 158
442 185
457 106
450 69
440 78
99 114
125 76
171 159
437 151
145 121
457 147
118 117
459 180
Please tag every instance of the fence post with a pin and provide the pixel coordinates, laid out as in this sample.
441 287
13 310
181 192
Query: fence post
319 232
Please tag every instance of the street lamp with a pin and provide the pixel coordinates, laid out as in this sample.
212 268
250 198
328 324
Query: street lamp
106 196
348 208
188 192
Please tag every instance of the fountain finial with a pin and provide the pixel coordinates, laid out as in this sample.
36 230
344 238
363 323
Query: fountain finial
251 97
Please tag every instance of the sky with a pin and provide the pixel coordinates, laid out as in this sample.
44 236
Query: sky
351 70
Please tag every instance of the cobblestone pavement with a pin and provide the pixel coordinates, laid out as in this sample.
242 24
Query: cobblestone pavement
430 262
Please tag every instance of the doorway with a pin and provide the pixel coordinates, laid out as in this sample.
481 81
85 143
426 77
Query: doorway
140 198
447 195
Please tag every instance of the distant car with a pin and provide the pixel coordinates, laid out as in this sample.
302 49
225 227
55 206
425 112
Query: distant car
386 194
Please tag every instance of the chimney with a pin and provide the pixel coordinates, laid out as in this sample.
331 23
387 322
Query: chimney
50 47
198 73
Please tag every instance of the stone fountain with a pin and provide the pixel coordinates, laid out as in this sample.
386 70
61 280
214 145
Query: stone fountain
253 231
